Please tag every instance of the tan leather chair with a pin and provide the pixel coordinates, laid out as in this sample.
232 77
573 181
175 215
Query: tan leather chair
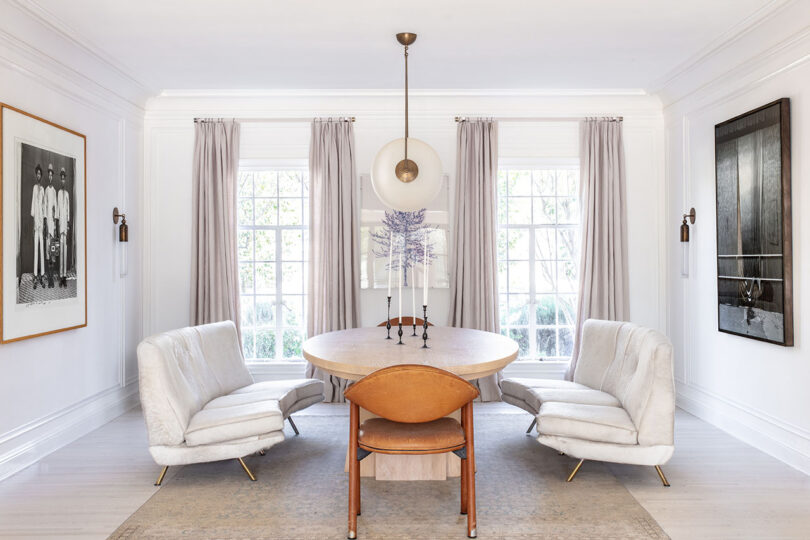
413 402
406 321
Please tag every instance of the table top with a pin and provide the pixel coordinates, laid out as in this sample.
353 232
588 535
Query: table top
352 354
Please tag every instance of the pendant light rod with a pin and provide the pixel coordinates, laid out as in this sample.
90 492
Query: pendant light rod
406 102
406 170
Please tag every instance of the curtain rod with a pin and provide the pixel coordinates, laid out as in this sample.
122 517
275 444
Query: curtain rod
542 118
268 120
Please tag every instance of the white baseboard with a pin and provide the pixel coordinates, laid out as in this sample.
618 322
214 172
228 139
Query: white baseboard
784 442
31 442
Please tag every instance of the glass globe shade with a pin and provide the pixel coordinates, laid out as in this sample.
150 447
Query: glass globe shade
411 196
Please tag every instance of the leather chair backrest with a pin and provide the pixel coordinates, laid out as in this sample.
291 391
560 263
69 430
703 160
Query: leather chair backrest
182 370
411 393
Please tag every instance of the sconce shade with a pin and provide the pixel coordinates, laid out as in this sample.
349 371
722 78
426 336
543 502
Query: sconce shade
684 231
123 232
410 196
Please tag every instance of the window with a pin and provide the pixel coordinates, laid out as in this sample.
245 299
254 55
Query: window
273 238
538 246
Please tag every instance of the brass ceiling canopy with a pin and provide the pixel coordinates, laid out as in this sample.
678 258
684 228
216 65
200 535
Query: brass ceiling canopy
406 170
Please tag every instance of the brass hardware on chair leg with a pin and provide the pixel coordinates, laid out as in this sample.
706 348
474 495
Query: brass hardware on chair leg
560 453
250 474
261 452
576 470
528 431
162 474
661 475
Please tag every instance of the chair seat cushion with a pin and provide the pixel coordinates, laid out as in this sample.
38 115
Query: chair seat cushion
519 386
287 392
588 422
587 396
423 438
225 424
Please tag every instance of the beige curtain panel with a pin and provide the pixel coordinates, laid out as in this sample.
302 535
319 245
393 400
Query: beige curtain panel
334 272
603 288
474 267
214 258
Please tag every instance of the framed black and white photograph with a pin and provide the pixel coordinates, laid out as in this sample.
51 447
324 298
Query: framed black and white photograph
754 246
43 266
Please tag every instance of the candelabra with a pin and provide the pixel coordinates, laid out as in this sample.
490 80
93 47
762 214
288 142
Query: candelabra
400 332
424 327
388 319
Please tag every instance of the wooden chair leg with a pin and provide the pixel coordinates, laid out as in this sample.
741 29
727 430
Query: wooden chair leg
463 486
354 470
472 531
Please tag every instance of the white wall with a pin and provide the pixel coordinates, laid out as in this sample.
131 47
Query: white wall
754 390
169 141
56 388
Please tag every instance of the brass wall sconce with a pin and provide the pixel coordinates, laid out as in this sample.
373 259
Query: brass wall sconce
123 229
685 226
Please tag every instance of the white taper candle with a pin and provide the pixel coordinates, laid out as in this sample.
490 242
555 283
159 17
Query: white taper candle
390 261
400 286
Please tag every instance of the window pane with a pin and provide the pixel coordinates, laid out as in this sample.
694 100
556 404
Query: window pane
566 277
292 278
265 310
502 236
544 248
547 342
304 184
292 310
246 307
266 278
566 243
520 183
292 343
246 278
266 343
248 346
521 335
502 210
292 245
567 210
503 278
567 182
544 279
245 247
567 309
518 309
566 342
290 212
519 210
519 277
266 184
246 212
518 245
501 183
289 184
546 310
544 210
503 309
265 245
543 183
246 184
266 212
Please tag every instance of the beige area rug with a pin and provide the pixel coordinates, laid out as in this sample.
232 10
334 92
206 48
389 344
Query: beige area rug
301 493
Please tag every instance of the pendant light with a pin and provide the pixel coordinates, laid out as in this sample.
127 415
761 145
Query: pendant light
406 174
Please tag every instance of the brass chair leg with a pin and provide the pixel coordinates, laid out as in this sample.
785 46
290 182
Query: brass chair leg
528 431
576 470
250 474
661 475
292 424
162 474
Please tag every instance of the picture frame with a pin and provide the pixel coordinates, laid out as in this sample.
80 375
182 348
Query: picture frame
43 226
754 227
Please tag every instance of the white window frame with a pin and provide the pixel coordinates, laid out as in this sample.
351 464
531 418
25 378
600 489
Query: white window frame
532 325
258 165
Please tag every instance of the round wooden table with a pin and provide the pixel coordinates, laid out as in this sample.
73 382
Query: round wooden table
353 354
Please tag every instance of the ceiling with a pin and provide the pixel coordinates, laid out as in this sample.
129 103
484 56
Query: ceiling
462 44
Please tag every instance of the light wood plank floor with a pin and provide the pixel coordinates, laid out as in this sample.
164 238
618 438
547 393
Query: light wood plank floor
721 487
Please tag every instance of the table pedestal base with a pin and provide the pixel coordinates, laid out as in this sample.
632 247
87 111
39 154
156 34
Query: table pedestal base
423 467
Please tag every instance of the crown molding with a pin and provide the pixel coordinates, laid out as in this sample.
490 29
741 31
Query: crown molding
387 92
131 89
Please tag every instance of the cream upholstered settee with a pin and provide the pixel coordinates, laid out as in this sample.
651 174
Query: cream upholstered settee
620 407
201 403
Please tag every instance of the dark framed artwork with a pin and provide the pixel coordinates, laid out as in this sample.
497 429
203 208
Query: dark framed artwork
754 246
43 258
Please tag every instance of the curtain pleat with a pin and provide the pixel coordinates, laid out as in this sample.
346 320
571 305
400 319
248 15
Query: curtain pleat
474 270
334 273
603 278
215 265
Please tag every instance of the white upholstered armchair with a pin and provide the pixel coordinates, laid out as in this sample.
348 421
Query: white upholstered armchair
620 407
201 404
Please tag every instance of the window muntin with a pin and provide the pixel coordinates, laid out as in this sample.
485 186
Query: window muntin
538 250
272 244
